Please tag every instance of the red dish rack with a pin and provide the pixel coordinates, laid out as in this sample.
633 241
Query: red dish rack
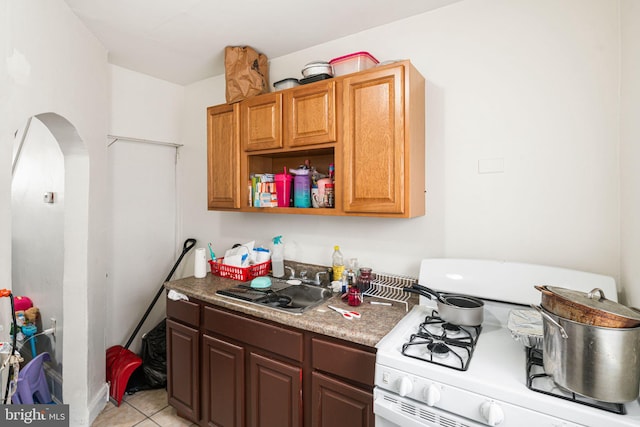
239 273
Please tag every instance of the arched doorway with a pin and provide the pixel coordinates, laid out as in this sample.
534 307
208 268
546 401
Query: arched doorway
49 242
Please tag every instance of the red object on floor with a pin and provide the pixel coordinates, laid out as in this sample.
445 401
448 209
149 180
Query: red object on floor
120 366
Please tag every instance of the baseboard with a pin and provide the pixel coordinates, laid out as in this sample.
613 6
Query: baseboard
98 403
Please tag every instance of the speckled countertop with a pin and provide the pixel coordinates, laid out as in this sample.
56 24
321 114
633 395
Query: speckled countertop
376 320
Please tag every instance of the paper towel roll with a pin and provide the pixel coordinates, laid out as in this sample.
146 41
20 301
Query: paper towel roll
200 264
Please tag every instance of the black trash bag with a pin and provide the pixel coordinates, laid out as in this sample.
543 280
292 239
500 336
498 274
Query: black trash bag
152 373
154 355
137 382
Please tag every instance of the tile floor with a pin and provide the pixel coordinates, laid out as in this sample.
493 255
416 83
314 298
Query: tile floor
147 408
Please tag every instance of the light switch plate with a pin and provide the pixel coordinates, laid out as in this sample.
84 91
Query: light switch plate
48 197
495 165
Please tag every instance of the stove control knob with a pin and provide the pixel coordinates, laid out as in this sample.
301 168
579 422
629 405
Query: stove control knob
492 413
405 386
432 394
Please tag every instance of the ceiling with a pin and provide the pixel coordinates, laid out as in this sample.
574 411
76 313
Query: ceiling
183 41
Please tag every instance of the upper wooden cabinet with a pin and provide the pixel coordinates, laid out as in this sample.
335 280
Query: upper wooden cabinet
298 117
370 125
310 114
383 141
223 157
261 122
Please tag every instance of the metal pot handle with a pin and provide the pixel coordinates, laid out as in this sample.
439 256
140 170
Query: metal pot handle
595 291
563 333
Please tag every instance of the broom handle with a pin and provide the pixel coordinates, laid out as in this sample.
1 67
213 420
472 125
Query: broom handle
188 245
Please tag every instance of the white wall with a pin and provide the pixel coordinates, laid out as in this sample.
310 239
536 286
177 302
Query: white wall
143 238
143 227
51 63
144 107
532 82
630 151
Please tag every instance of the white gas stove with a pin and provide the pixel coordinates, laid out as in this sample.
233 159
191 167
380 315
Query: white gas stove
490 388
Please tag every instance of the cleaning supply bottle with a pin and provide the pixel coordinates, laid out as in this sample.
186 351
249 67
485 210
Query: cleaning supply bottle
337 263
277 257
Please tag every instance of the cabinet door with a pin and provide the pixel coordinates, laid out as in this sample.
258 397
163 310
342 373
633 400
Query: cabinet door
261 118
374 141
339 404
223 383
183 373
310 114
275 393
223 157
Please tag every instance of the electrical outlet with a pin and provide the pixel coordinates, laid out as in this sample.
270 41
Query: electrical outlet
52 325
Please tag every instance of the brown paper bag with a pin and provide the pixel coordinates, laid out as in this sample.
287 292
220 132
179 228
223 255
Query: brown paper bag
246 73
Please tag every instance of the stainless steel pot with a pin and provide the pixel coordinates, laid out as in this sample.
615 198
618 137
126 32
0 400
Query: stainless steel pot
460 310
593 361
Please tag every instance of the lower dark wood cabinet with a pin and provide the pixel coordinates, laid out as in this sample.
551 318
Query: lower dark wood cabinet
183 370
336 403
225 369
223 383
275 397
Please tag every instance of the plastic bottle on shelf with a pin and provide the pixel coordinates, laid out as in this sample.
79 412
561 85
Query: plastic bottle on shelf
277 257
337 263
301 188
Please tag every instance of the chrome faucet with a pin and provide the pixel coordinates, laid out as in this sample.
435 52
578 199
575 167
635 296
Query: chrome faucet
304 276
292 272
317 281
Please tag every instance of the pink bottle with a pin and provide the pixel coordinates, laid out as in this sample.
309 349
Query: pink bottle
283 188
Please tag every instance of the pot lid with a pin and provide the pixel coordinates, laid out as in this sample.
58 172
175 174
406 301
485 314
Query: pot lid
595 300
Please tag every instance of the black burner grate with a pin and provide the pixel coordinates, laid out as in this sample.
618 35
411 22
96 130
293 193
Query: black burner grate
456 341
534 362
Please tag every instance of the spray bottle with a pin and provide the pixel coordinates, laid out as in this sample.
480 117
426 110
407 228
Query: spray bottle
277 257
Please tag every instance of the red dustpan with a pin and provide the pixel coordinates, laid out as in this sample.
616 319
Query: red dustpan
120 365
121 362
